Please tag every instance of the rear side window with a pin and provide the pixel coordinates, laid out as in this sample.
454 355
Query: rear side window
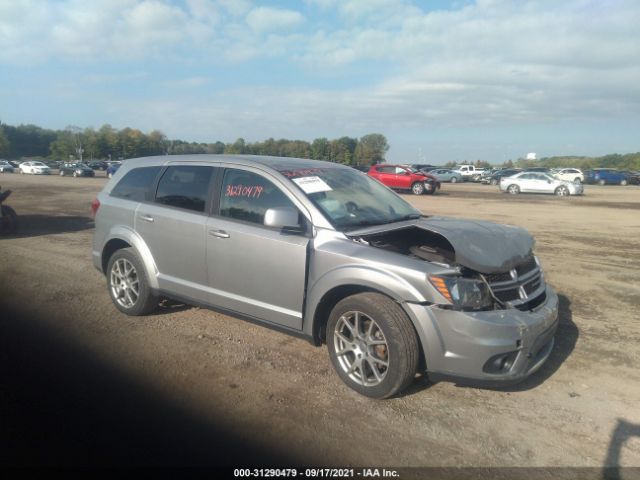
386 170
185 186
246 196
136 184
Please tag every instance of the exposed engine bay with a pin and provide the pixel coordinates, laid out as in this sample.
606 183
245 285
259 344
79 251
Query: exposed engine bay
414 242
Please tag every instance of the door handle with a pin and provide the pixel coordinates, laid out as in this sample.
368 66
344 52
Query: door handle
146 218
219 233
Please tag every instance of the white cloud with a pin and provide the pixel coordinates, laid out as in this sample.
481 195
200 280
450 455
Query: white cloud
265 19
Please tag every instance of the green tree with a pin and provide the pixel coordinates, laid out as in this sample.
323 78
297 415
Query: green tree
4 142
371 149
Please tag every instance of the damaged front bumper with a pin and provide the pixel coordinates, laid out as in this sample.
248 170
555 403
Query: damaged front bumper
496 346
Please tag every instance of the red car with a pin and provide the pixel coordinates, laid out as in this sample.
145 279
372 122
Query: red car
400 177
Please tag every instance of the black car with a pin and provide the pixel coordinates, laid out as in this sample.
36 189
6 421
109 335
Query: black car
633 178
537 169
98 165
362 168
495 178
76 170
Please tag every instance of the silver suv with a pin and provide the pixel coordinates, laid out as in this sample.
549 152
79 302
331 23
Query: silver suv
322 251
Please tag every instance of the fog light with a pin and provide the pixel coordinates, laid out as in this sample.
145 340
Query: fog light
500 363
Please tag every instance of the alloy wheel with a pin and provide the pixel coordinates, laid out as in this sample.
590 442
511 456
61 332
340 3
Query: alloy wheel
361 348
124 281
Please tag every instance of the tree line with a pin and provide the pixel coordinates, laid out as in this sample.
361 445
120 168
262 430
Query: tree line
22 141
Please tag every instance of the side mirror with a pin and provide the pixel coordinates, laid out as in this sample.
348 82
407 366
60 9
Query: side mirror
281 217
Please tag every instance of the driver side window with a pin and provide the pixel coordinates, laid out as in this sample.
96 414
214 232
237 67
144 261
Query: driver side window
246 196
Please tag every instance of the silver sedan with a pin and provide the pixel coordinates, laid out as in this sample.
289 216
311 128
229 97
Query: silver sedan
535 182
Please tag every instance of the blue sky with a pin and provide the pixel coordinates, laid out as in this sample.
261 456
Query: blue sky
443 80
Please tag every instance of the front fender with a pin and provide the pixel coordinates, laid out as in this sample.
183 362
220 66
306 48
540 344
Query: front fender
365 276
121 232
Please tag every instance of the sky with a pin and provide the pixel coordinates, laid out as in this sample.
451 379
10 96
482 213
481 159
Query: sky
442 80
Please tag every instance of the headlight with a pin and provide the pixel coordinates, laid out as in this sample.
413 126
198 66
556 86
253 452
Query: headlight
463 292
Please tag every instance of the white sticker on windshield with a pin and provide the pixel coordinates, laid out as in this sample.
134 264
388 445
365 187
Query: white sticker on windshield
312 184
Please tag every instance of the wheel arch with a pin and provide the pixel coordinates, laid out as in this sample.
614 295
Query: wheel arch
122 237
338 293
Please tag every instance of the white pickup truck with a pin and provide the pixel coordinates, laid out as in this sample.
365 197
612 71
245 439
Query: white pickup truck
470 173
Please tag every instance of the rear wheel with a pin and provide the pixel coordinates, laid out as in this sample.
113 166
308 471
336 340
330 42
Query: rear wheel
623 182
372 345
62 173
454 179
128 285
577 180
417 188
494 181
601 182
562 191
513 189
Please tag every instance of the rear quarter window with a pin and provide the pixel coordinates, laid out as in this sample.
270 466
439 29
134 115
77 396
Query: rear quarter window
136 184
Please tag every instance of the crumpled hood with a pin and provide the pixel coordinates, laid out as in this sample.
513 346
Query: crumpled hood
486 247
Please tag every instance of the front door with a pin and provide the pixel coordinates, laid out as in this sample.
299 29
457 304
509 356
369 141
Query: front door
255 270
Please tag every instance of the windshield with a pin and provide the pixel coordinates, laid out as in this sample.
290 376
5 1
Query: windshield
350 199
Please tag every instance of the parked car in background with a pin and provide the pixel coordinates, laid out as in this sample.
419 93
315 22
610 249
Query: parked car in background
98 165
470 172
14 163
633 178
361 168
35 168
445 175
76 170
535 182
400 177
537 169
6 167
605 176
494 179
112 169
569 174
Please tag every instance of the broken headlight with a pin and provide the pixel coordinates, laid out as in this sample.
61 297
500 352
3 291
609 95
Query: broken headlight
463 292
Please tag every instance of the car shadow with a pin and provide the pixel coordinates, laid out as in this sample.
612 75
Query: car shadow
565 341
34 225
63 406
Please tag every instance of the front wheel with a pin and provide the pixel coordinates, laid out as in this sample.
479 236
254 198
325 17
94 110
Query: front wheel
372 345
417 188
128 285
562 191
494 181
601 182
623 182
577 180
513 189
62 173
454 179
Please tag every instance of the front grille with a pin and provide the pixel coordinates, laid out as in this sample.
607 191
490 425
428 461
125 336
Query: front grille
522 287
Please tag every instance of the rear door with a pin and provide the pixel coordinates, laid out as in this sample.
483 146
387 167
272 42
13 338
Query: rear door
253 269
173 225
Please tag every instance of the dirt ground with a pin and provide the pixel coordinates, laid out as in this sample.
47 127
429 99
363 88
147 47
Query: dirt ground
280 394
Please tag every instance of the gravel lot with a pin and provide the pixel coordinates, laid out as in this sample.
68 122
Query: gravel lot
84 384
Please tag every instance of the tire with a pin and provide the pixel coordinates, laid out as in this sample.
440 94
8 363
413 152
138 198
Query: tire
623 182
394 355
109 174
75 174
124 295
454 179
9 220
494 181
562 191
601 182
417 188
577 180
62 173
513 189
